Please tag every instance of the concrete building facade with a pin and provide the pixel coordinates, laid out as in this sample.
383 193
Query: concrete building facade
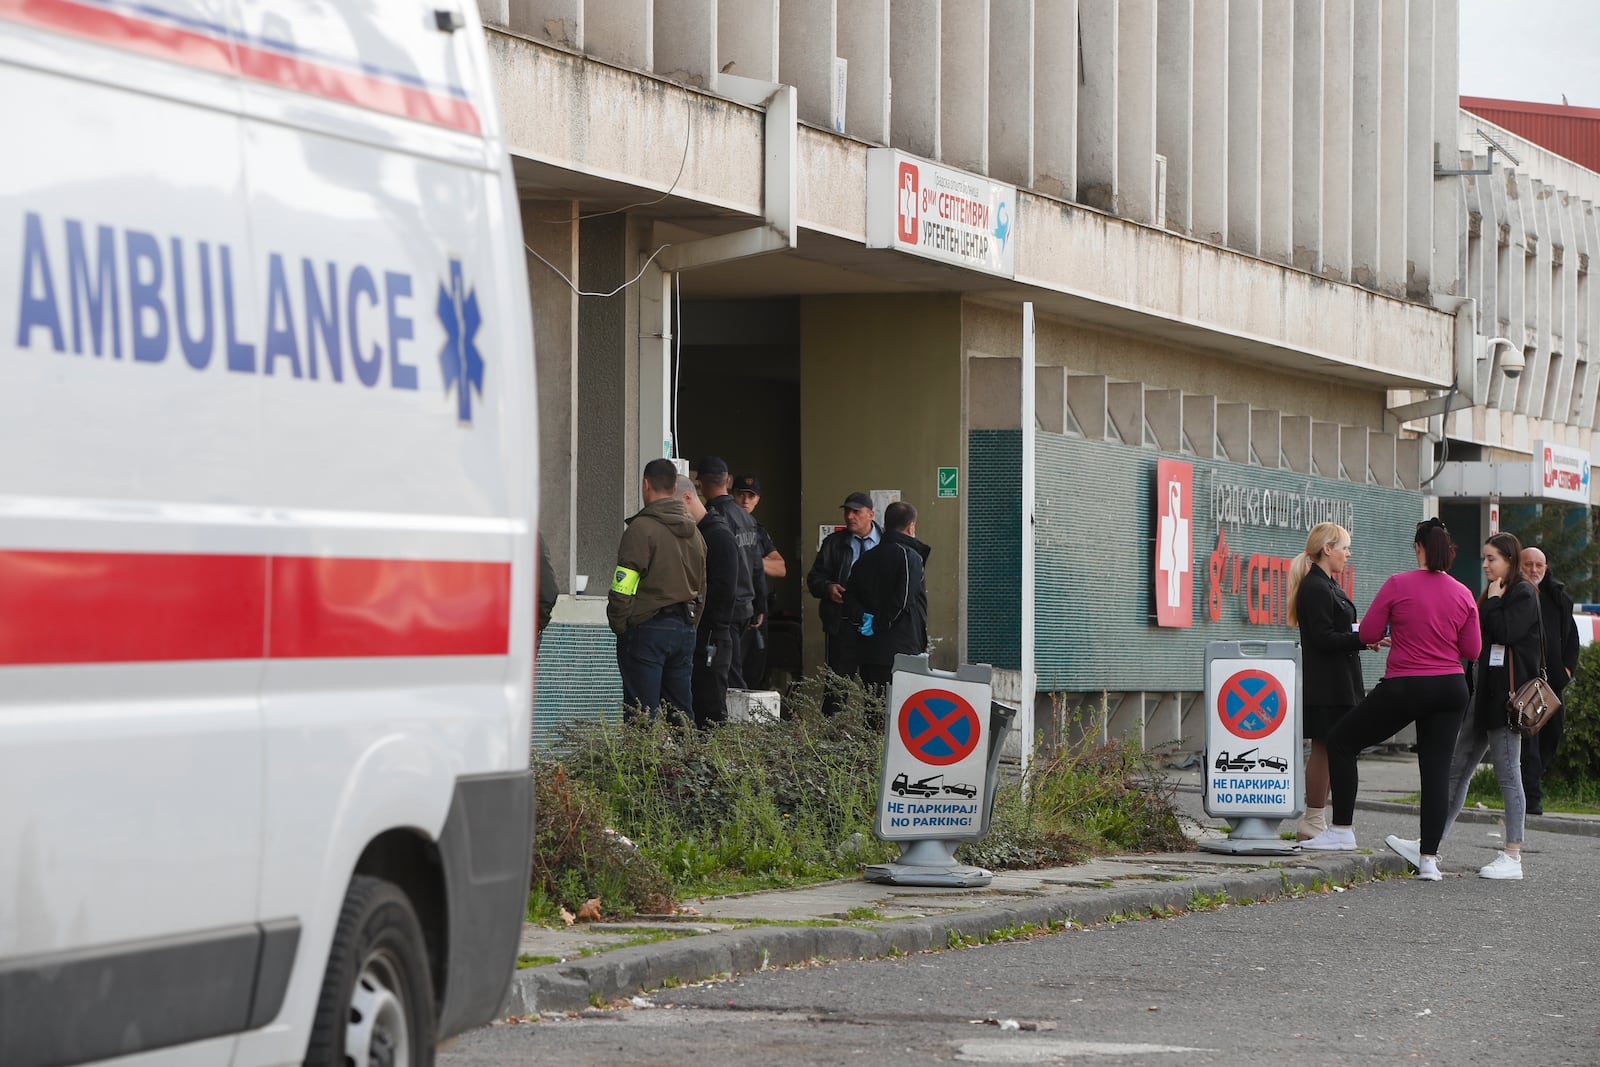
1203 233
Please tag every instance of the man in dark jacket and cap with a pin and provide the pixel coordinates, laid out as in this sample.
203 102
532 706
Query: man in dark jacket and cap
750 594
887 600
829 578
656 587
1561 662
716 639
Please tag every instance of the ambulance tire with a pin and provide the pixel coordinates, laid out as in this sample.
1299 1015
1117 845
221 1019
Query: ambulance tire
377 994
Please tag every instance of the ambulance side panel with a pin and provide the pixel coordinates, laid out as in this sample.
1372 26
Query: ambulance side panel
267 495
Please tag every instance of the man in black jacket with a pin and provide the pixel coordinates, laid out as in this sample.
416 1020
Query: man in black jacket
716 638
1560 660
750 593
887 600
830 575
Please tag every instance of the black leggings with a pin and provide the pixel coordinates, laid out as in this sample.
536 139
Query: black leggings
1435 703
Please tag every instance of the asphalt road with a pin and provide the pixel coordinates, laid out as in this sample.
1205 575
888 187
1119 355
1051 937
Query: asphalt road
1456 972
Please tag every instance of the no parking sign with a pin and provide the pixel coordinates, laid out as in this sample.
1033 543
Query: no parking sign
1253 729
936 754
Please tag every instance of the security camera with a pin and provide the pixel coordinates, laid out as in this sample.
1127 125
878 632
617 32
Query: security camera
1513 361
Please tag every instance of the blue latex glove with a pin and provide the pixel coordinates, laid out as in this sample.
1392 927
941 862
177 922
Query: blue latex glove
866 624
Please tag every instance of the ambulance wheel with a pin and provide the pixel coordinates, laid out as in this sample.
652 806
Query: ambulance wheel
376 1008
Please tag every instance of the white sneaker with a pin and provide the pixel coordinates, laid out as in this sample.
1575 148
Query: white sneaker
1410 851
1504 866
1428 869
1333 839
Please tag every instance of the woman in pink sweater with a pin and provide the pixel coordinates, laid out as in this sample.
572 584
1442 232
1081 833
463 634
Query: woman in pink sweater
1432 622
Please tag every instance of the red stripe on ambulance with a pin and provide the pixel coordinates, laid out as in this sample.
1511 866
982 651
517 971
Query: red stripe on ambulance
132 607
223 55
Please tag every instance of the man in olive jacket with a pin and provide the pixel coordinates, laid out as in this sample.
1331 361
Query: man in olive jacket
1560 661
656 587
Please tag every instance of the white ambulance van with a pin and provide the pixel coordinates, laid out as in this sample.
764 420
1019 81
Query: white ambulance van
267 492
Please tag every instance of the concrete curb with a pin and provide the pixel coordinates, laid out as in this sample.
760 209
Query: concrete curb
1581 825
608 976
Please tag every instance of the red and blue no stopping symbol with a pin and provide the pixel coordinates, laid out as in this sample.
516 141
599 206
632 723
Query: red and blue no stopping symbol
1252 704
938 727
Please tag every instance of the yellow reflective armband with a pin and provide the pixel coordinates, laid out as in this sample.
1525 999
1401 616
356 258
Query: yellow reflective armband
625 581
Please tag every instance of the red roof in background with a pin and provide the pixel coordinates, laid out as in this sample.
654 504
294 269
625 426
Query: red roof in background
1573 132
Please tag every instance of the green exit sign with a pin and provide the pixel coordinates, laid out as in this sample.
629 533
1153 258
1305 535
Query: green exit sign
949 483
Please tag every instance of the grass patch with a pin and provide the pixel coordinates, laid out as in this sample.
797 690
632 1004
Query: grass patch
642 815
1560 797
525 961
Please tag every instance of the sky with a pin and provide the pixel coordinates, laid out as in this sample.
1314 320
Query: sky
1531 50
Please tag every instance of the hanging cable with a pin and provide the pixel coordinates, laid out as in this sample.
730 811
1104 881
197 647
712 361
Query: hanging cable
557 272
1444 435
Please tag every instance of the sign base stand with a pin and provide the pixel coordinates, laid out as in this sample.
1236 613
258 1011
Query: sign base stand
928 862
1252 836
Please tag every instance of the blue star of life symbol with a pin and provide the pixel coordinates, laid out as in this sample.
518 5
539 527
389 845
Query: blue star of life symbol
459 359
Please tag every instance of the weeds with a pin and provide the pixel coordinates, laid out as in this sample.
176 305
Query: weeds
773 804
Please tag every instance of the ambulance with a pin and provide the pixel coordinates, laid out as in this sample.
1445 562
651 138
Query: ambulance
267 499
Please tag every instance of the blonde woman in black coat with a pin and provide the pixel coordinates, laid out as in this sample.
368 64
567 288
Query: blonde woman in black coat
1330 663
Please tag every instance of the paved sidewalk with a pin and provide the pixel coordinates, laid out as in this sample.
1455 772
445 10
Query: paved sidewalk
737 934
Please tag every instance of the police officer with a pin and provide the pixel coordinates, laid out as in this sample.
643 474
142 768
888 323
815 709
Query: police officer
655 588
750 592
753 656
716 639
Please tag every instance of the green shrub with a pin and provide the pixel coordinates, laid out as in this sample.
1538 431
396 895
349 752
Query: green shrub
1577 761
768 804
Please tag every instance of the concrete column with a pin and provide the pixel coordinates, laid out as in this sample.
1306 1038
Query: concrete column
1520 303
1097 106
557 21
551 229
1564 297
914 60
686 42
1175 51
1244 125
747 37
1306 183
1542 372
620 32
1278 139
864 44
1011 97
1392 161
1366 100
607 463
1209 180
1055 97
808 37
1136 111
1338 89
1381 457
1449 255
1587 312
1420 186
964 84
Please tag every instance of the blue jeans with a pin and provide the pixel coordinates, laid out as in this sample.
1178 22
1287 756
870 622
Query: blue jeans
655 659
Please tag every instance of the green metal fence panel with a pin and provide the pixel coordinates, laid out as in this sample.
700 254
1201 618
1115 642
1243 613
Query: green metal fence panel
1094 544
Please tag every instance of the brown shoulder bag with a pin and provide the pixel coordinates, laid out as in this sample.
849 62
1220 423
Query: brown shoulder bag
1533 702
